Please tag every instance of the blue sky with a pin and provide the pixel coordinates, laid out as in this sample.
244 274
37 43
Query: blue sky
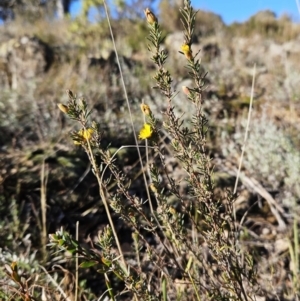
237 10
241 10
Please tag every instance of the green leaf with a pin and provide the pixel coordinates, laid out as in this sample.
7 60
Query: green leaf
102 270
88 264
72 251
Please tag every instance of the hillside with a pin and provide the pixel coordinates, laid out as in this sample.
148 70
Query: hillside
43 172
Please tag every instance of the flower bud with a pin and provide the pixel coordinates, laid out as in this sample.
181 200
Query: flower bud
153 188
185 90
70 93
145 109
151 19
63 108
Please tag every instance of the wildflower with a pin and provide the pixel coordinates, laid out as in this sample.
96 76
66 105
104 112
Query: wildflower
185 90
186 49
151 19
146 131
83 135
145 109
63 108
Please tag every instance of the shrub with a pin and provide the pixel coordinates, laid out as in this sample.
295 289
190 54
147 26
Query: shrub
184 236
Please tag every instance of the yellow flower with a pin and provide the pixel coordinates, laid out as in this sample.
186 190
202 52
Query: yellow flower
146 132
145 109
151 19
84 135
186 49
63 108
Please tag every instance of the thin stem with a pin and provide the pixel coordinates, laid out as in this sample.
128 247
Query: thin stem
104 200
76 264
246 131
44 179
128 105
